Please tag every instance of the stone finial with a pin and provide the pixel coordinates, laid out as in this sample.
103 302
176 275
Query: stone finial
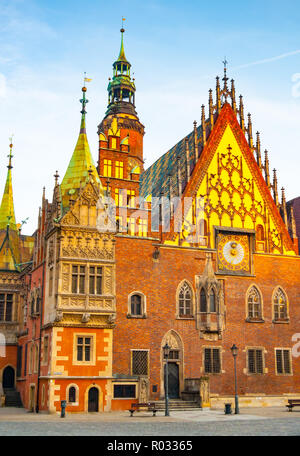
242 117
275 188
258 150
203 124
267 170
249 129
233 99
187 159
211 109
218 93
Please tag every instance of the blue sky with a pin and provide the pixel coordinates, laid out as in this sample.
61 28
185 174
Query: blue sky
176 49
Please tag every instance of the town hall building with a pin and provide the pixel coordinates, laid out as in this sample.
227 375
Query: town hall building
198 251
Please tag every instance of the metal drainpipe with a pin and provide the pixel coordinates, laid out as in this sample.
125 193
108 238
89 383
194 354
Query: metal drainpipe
40 338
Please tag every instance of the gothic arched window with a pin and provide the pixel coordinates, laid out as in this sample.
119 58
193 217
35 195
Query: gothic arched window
185 301
212 301
254 304
203 301
136 304
280 305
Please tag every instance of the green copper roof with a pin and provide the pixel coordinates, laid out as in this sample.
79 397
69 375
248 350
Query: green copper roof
81 165
7 212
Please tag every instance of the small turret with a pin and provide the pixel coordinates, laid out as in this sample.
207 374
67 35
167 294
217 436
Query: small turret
203 124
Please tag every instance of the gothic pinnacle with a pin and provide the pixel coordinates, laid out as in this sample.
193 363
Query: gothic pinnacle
211 112
267 171
242 118
233 96
275 187
218 93
203 125
258 150
187 158
250 135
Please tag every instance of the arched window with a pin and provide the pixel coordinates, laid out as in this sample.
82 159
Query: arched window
280 305
203 301
254 304
72 394
212 301
136 304
185 300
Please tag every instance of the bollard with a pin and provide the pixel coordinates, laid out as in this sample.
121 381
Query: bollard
228 410
63 409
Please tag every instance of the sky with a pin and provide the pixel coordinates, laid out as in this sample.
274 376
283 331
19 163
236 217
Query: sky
176 50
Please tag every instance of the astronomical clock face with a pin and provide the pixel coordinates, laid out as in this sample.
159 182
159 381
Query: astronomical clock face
233 253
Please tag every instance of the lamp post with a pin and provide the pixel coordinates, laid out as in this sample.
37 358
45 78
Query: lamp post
234 351
166 351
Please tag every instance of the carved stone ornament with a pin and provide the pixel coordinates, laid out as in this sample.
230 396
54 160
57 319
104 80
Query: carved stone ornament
86 318
59 316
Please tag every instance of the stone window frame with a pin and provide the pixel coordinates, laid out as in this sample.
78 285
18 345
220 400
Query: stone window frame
212 347
260 319
178 315
290 374
76 403
92 361
36 359
143 305
264 352
284 320
43 395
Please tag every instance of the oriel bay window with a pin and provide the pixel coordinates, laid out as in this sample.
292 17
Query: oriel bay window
93 283
6 307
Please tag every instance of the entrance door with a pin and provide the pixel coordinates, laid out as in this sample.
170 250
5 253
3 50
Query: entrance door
8 377
93 400
173 380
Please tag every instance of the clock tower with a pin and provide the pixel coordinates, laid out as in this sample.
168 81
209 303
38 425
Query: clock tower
121 136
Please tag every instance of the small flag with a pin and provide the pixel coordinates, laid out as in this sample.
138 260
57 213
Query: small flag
87 80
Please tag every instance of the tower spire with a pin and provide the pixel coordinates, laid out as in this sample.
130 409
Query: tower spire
121 89
7 211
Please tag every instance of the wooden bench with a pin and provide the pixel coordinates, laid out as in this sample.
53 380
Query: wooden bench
293 403
137 406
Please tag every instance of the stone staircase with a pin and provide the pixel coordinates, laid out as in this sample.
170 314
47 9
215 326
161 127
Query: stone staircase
12 398
178 404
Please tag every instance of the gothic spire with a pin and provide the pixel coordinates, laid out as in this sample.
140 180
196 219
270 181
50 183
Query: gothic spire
77 173
7 212
121 89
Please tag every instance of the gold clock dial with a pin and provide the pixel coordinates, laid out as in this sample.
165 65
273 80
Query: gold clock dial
233 252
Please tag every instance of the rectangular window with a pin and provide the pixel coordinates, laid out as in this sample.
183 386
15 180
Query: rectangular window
84 348
131 226
130 198
283 361
78 279
212 361
46 346
124 391
255 361
95 280
107 168
6 307
119 169
143 227
139 362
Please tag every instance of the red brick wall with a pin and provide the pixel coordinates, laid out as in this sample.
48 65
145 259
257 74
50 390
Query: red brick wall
136 271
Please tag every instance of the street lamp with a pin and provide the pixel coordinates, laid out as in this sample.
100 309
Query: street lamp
166 351
234 351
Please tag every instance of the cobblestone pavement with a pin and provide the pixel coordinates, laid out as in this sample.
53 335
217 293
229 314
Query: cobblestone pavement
258 422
